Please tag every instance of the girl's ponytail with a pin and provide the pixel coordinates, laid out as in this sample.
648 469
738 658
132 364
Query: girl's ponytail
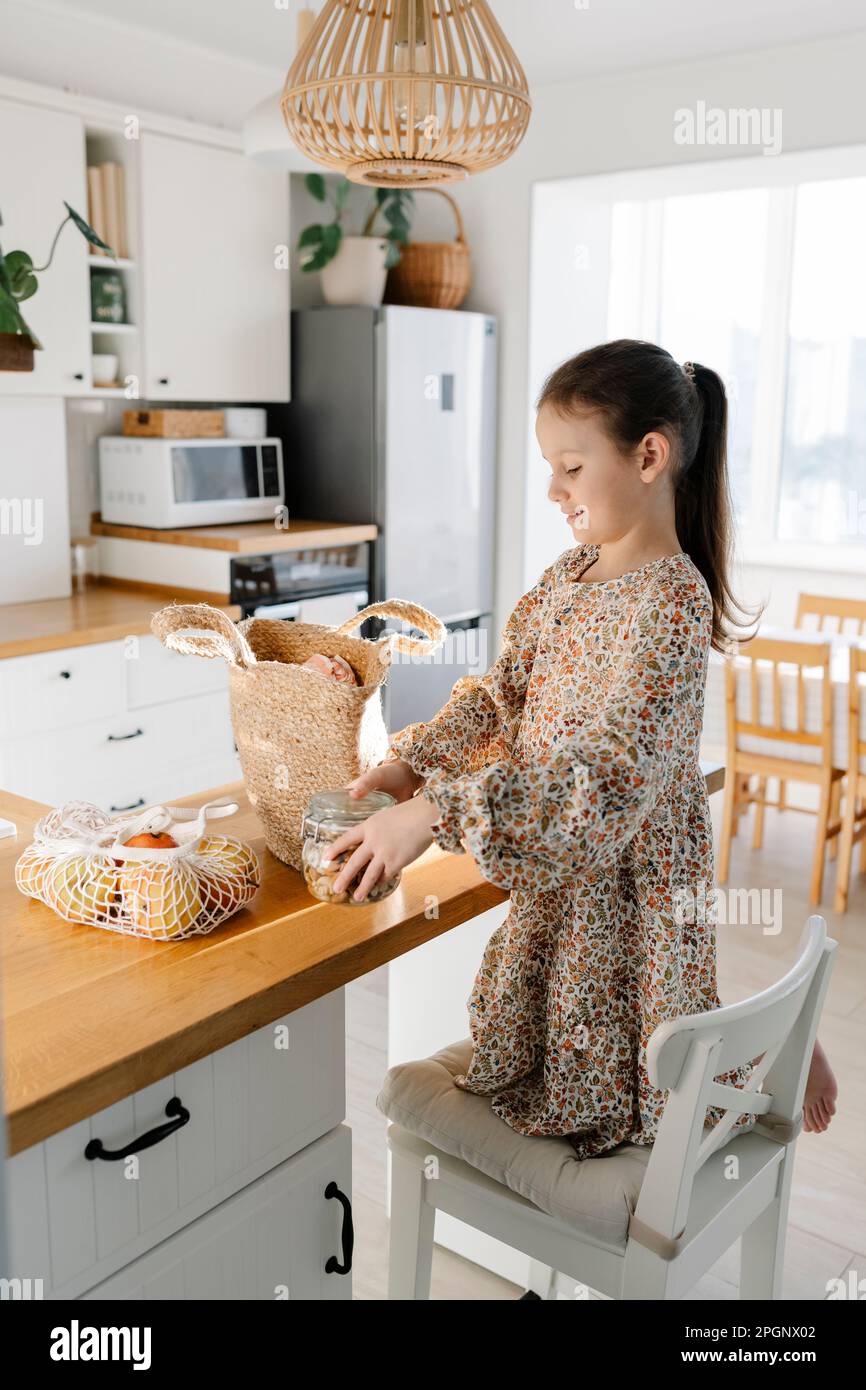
639 388
703 502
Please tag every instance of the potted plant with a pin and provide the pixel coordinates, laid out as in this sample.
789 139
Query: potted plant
354 268
17 283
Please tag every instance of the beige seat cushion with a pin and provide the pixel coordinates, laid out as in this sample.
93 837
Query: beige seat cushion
596 1196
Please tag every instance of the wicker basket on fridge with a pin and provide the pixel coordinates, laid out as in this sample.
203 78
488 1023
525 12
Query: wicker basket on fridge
432 274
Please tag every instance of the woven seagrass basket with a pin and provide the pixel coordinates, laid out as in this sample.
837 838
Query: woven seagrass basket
296 731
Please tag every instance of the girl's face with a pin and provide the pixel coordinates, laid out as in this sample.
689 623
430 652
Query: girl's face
602 493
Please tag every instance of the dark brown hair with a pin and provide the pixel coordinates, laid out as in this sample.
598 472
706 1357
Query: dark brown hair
638 388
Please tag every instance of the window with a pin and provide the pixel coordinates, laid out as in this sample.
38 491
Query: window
757 268
824 446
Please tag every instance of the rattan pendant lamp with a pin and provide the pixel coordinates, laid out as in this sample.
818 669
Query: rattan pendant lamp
406 92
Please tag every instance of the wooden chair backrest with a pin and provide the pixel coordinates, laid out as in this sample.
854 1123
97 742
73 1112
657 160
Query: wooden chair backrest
781 651
856 701
832 613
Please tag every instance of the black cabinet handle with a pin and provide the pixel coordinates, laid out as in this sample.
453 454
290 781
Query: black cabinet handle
77 376
65 675
121 738
133 805
162 380
95 1148
332 1264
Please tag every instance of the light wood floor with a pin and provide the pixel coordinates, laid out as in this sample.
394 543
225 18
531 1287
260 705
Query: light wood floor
827 1230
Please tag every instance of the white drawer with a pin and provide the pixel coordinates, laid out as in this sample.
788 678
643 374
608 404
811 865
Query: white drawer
155 675
76 1221
272 1241
165 785
125 751
56 689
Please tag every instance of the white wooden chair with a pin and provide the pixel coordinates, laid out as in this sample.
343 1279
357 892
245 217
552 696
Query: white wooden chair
702 1187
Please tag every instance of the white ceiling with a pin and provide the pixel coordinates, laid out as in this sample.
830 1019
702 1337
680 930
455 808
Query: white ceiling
555 39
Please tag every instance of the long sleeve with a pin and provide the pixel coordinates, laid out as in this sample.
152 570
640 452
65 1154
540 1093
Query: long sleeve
573 808
477 724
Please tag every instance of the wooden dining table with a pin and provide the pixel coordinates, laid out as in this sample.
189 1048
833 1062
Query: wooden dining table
714 736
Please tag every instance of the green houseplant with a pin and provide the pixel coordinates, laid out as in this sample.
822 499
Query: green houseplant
354 268
18 282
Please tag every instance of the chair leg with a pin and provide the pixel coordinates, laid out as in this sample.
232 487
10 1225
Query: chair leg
846 852
542 1280
762 1249
820 842
410 1256
758 828
762 1255
783 794
645 1275
727 830
835 810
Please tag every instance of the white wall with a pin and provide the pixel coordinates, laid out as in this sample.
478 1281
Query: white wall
626 122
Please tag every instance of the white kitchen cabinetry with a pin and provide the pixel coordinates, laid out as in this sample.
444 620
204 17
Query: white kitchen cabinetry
270 1104
121 724
215 307
277 1239
41 166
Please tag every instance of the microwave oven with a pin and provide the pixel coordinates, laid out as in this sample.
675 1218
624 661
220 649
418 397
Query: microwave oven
163 483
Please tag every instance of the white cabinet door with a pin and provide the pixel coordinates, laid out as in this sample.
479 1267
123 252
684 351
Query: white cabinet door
42 164
216 307
278 1239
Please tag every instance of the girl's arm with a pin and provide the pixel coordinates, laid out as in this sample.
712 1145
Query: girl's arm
570 812
477 724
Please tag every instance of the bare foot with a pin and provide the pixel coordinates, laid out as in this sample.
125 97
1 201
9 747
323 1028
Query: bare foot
819 1102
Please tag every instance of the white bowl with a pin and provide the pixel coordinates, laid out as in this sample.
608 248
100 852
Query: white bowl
104 368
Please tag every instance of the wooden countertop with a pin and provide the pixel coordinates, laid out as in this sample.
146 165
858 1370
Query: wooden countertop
91 1016
245 538
103 612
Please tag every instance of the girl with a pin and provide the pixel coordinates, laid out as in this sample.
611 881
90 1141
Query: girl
570 770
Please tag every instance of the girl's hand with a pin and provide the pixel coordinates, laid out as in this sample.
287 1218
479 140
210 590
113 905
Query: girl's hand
395 777
385 843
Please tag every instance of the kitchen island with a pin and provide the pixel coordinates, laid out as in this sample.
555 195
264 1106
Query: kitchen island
229 1048
129 1011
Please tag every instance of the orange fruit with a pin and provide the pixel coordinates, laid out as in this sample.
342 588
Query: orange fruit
161 840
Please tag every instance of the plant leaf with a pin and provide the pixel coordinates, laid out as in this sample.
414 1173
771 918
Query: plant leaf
311 236
20 269
87 231
12 320
315 186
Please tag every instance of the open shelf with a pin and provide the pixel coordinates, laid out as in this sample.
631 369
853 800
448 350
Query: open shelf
109 263
114 328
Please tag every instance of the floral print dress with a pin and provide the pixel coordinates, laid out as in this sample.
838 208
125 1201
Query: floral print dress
570 773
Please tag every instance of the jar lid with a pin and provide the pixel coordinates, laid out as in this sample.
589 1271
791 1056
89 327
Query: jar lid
336 807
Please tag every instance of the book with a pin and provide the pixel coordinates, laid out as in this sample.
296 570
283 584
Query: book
110 205
96 206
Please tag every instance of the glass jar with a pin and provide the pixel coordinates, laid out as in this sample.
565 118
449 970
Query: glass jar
329 815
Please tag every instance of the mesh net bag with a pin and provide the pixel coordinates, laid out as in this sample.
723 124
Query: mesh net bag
81 866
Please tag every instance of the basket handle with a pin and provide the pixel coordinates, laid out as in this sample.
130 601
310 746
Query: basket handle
461 230
198 629
411 613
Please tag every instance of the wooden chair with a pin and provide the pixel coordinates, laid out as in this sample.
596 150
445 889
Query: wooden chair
702 1188
743 763
830 616
854 818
